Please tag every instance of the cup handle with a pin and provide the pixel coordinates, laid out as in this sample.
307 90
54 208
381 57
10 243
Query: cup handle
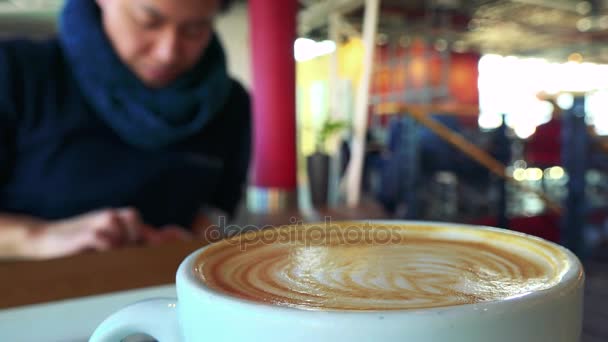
154 317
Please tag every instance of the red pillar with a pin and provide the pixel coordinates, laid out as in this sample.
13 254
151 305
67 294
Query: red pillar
273 32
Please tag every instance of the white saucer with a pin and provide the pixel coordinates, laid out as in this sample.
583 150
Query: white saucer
71 320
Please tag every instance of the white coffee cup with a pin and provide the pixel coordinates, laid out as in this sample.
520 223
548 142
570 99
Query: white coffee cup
553 314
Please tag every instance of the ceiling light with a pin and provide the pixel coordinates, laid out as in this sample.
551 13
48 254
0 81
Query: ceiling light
584 24
524 130
565 101
557 172
583 7
306 49
575 57
534 174
519 175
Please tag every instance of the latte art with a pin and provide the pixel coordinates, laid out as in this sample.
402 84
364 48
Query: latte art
423 267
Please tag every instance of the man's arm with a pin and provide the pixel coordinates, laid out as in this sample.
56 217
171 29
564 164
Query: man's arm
23 237
15 236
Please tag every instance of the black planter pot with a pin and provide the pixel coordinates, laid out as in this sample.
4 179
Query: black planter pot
317 165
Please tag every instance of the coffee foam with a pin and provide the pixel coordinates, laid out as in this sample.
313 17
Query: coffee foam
420 267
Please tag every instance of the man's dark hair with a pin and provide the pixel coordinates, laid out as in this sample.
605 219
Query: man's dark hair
225 5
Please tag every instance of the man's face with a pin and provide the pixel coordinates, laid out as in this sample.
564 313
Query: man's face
159 39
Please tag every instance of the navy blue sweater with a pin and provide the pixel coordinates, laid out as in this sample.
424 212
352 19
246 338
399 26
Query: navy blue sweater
58 159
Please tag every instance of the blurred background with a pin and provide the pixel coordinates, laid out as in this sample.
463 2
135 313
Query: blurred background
491 112
525 82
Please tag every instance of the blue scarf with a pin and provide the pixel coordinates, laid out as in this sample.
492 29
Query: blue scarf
144 117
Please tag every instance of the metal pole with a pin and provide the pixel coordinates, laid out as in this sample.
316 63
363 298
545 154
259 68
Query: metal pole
274 179
335 109
503 151
575 158
355 167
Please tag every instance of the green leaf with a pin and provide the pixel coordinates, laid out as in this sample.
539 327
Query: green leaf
329 129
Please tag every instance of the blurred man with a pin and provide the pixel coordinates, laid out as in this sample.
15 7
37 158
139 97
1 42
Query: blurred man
123 130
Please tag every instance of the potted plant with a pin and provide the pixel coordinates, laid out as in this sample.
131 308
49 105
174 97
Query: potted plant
317 163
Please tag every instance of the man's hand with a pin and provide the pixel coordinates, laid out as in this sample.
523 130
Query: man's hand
166 234
97 231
